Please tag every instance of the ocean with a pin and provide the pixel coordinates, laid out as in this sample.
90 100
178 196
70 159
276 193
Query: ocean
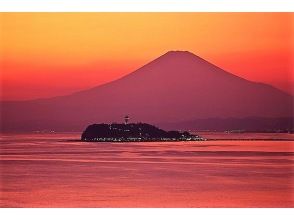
57 170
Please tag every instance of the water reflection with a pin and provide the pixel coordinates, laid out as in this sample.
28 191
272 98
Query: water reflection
43 170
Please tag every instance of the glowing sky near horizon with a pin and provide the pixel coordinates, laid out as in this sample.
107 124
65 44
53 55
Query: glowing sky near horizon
50 54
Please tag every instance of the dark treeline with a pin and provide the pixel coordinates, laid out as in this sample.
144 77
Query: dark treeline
138 131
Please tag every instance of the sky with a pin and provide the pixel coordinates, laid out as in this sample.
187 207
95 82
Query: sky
51 54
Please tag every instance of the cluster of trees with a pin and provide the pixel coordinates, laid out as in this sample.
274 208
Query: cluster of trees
138 130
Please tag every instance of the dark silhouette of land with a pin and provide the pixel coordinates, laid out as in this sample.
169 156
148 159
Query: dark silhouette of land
248 124
174 88
133 132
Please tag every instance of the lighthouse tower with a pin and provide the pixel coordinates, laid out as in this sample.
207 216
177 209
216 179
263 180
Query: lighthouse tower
127 118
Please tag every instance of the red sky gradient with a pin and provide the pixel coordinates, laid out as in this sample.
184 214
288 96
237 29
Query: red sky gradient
50 54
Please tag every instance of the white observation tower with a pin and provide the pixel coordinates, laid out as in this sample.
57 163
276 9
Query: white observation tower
127 118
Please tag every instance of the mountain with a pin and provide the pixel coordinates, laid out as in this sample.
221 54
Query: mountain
177 86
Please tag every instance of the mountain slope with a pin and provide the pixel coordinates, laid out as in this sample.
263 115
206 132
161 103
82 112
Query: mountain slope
178 86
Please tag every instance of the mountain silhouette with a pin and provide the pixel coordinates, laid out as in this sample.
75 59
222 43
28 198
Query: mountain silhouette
177 86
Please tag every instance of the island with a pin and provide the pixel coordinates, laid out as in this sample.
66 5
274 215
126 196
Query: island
133 132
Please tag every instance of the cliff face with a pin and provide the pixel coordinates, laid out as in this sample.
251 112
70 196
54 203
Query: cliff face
133 132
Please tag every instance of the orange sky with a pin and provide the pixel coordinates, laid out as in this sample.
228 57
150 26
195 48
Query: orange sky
49 54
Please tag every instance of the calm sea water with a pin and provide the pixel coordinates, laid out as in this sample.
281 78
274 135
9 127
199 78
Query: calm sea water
53 170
